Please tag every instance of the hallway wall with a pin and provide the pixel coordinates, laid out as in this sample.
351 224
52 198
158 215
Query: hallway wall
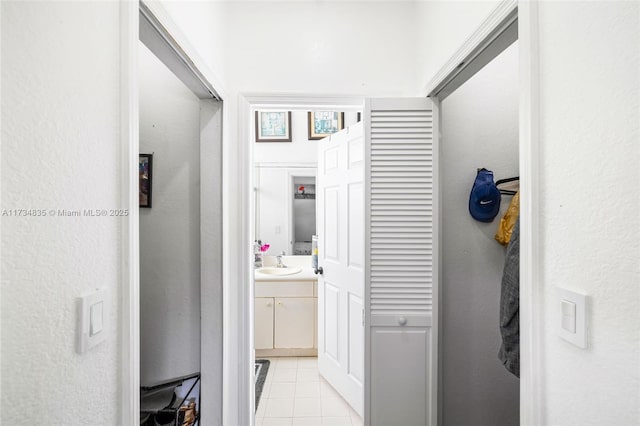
479 128
320 47
590 146
60 151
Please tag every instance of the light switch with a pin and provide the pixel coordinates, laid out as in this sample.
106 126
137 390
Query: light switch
91 328
572 310
569 316
96 318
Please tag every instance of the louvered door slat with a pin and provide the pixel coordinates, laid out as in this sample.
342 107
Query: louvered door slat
401 210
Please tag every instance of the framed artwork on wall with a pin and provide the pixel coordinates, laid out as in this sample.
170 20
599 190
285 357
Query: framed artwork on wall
145 170
273 126
324 123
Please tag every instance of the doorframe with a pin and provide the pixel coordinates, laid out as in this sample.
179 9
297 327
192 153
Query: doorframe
240 343
129 300
526 14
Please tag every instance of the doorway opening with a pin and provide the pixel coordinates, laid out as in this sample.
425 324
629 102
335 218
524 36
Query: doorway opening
146 23
509 23
284 309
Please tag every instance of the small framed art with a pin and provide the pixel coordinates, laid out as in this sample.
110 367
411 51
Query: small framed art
324 123
145 173
273 126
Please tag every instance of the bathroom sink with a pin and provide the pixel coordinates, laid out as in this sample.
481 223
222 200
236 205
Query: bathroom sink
279 271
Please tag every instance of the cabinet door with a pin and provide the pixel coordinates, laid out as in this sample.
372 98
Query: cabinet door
264 323
294 323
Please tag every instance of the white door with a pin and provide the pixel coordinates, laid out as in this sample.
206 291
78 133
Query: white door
401 262
340 227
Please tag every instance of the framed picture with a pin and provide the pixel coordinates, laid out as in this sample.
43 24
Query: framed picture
324 123
273 126
145 169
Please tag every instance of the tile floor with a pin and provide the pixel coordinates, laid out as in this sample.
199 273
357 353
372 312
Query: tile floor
294 394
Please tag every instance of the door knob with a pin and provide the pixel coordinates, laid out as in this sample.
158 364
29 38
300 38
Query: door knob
318 270
402 321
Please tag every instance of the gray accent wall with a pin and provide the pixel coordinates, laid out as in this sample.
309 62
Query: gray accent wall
170 229
479 129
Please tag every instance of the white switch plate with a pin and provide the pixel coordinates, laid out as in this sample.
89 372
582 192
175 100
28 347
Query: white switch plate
568 315
91 327
572 308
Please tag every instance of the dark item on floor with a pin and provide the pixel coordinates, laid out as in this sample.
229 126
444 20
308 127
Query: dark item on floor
262 367
160 404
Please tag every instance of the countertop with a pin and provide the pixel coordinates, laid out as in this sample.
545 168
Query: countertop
303 262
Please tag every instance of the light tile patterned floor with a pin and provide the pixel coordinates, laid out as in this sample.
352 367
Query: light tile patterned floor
294 394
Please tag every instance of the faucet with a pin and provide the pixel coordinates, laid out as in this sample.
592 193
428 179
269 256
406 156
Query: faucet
279 258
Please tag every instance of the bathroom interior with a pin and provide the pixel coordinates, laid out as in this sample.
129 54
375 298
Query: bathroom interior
290 389
288 382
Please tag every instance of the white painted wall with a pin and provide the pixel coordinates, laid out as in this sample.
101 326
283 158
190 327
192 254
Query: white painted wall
590 134
320 47
60 150
170 230
479 129
444 27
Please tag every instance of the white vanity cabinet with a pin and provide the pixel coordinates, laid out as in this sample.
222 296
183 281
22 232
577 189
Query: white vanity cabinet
264 322
294 323
285 318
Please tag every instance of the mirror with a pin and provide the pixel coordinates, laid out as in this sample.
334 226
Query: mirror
303 214
285 214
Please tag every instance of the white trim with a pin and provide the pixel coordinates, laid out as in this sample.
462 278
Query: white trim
530 258
130 292
241 396
187 52
155 36
286 165
496 23
366 120
211 281
304 102
436 383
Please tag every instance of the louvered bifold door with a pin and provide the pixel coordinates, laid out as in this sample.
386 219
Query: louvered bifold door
400 263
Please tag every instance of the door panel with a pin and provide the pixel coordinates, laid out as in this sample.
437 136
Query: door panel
356 335
401 262
331 222
264 323
340 221
330 303
294 319
398 356
355 228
